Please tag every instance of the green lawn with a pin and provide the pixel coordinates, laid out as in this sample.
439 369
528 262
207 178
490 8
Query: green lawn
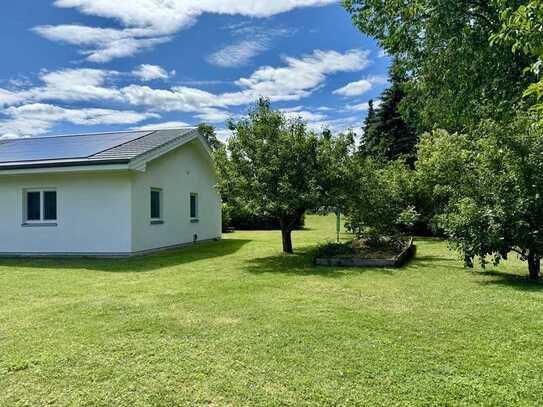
238 323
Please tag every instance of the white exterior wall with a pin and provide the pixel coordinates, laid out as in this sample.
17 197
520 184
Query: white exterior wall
178 173
93 211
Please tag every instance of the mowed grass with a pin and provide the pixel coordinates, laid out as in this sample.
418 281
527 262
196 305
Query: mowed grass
238 323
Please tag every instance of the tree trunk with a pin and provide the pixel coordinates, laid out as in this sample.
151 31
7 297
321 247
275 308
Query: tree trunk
288 222
287 240
534 266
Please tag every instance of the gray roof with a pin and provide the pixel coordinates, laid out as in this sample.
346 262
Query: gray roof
85 149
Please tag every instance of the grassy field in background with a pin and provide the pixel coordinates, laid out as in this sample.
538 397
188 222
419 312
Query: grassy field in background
238 323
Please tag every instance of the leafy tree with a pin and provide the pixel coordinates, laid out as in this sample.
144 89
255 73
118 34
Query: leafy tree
489 187
276 167
378 200
523 28
386 134
209 133
454 75
335 156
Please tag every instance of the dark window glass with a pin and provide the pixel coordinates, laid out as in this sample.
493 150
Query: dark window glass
193 205
155 204
33 206
50 205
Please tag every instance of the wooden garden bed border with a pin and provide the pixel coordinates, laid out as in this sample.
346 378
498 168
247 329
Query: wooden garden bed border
397 261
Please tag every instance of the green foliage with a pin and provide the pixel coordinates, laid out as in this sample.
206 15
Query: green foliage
277 168
488 187
332 249
240 217
523 29
334 156
368 122
444 162
226 217
455 77
386 134
379 202
210 135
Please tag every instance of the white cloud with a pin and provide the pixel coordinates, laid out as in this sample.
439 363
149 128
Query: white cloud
299 112
341 125
360 87
38 118
297 78
147 72
254 41
101 45
123 48
172 15
359 106
75 84
238 54
20 81
163 125
81 35
213 115
65 85
151 22
223 134
364 106
317 122
179 98
9 98
354 88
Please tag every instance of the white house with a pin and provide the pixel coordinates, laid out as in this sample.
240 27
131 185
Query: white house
111 194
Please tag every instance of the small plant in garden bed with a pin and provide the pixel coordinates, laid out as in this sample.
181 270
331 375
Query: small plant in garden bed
331 249
385 248
379 248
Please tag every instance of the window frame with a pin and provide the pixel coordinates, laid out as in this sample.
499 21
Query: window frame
41 221
160 219
196 209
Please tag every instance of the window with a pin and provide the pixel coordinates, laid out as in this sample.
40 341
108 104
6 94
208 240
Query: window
33 206
193 206
49 205
156 204
40 206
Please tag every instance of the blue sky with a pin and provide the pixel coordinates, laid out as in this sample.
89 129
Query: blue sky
74 66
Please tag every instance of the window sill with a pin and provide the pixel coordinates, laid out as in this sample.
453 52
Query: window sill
157 222
194 220
39 224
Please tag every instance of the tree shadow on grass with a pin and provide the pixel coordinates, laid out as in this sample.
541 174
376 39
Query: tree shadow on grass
426 262
515 281
167 258
301 264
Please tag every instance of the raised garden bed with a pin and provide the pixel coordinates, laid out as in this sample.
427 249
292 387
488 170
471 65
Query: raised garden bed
368 258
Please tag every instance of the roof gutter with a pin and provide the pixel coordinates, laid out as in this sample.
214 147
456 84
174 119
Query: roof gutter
67 166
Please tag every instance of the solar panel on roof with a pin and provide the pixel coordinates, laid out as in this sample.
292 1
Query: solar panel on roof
63 147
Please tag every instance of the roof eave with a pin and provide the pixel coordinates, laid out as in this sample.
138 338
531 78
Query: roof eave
64 166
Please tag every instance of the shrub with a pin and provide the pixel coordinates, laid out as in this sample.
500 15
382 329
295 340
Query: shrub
331 249
243 218
379 202
226 217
